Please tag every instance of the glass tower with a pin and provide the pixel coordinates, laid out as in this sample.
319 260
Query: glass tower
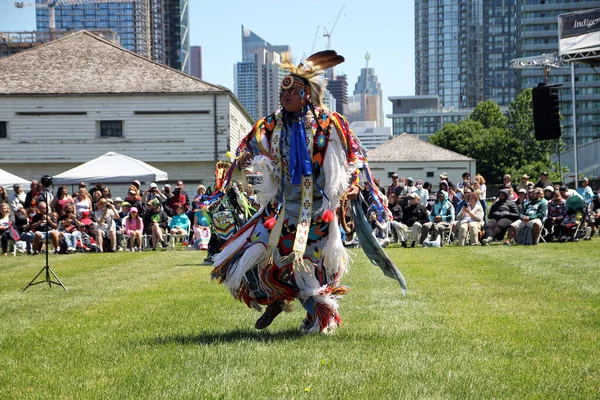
537 33
448 51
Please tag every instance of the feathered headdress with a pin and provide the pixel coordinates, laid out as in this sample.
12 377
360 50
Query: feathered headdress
310 70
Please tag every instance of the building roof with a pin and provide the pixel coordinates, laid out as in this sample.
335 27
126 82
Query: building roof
83 63
409 148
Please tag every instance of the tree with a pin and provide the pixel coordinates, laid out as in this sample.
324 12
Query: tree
500 144
489 114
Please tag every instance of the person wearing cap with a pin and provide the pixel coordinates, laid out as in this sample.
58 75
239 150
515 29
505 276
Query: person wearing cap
444 177
176 200
532 216
17 198
133 228
395 183
548 192
156 223
153 193
586 191
544 181
410 185
522 197
414 215
440 218
421 192
524 182
136 183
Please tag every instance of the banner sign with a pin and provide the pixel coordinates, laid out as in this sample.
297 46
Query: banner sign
579 23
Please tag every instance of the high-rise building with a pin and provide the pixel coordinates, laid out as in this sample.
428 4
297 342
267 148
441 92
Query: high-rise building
499 47
537 33
258 76
157 29
448 51
196 61
338 86
368 88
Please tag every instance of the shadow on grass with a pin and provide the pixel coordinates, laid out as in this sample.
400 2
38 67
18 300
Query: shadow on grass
238 335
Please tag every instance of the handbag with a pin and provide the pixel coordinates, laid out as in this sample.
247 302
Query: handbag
13 232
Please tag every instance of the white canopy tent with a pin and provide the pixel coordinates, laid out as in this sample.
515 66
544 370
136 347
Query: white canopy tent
111 168
8 180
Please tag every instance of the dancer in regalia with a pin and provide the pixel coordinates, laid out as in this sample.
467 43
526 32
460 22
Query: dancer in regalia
291 248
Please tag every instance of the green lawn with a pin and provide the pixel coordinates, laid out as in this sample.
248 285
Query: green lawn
487 322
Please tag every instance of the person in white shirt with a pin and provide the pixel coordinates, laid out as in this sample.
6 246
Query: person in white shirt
18 197
470 219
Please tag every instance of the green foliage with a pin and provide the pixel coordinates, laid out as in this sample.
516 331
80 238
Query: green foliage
500 144
489 114
477 322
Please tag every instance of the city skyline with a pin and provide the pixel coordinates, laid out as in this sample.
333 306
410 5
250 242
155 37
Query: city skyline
384 29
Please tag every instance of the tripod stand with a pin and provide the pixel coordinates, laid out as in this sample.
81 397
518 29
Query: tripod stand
46 269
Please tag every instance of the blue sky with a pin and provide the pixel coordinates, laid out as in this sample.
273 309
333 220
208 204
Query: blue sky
385 29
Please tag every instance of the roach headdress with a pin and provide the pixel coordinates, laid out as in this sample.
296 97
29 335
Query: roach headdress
309 72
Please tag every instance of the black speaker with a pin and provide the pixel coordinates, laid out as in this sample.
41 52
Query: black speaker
546 107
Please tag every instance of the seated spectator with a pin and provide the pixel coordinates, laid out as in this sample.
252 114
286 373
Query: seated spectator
82 202
548 193
105 215
465 183
41 230
378 185
524 183
156 223
69 228
134 199
61 199
594 214
200 192
95 199
96 189
568 226
380 227
440 218
557 211
22 226
470 219
17 198
544 181
392 187
522 198
414 215
31 197
106 193
133 226
532 217
180 223
201 227
397 226
422 192
3 195
410 185
507 179
153 193
176 200
502 214
401 191
4 226
88 233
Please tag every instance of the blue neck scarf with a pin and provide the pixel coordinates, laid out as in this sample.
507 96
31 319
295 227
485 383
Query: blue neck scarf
300 162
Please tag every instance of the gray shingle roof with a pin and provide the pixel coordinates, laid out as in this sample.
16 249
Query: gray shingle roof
406 147
83 63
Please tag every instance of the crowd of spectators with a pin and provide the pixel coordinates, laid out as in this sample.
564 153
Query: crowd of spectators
95 220
523 213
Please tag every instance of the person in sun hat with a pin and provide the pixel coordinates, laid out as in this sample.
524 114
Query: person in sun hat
292 248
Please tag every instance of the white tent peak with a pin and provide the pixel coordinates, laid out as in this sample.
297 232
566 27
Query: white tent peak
9 180
111 167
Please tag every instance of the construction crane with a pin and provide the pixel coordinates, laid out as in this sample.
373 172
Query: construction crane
50 4
327 33
312 50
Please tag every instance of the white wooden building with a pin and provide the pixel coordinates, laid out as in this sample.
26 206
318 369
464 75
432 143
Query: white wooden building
409 156
74 99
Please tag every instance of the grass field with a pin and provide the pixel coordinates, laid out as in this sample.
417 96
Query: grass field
487 322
